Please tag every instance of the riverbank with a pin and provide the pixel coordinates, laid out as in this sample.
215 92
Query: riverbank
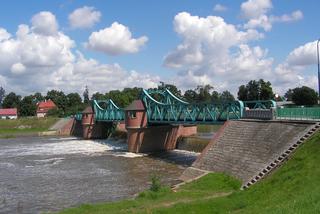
25 126
293 188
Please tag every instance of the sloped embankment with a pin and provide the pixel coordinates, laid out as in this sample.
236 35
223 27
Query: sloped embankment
250 149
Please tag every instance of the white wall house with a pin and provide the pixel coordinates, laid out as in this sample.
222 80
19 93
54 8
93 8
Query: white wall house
8 113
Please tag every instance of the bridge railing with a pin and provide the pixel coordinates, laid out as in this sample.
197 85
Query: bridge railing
260 104
111 112
194 113
305 113
78 116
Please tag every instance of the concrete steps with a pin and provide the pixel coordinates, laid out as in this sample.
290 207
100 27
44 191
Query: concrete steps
283 157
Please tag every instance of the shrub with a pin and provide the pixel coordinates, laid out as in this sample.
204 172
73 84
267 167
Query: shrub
304 96
155 183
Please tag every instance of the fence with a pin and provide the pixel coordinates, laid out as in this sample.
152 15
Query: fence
305 113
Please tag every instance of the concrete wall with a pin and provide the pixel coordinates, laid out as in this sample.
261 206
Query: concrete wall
72 128
243 148
157 138
262 114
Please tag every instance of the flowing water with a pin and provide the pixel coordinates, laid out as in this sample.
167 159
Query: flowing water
48 174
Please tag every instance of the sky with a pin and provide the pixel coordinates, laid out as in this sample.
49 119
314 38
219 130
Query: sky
113 44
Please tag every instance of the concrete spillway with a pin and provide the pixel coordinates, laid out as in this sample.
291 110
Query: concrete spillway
244 149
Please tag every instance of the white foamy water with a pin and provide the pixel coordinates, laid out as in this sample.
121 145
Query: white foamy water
129 154
62 147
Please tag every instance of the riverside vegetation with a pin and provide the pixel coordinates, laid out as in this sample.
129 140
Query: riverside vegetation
293 188
25 126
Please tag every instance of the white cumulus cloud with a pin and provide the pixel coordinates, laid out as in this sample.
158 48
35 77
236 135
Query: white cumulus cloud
115 40
257 14
84 17
303 55
255 8
294 16
219 8
217 53
35 61
18 68
4 35
44 23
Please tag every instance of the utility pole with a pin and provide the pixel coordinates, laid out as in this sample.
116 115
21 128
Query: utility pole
318 67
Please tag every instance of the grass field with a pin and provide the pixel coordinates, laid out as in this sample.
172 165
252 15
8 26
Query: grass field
23 126
293 188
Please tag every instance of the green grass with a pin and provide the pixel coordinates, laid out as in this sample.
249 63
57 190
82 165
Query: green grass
293 188
25 126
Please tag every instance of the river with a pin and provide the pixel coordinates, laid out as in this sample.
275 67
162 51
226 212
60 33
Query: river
49 174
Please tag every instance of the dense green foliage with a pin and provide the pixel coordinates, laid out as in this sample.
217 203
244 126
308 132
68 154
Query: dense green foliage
207 93
304 96
2 94
70 104
293 188
256 90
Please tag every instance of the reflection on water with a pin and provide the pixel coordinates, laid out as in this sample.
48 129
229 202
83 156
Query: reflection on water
48 174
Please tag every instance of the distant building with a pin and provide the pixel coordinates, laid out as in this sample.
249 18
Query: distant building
8 113
44 107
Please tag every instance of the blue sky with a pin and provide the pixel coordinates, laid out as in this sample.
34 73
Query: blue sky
139 43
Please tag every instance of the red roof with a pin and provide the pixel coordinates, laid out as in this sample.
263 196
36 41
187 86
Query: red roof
47 104
136 105
8 111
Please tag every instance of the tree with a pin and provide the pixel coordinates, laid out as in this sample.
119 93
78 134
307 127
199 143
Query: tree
11 100
226 96
243 93
304 96
256 90
288 95
28 106
215 96
172 88
59 98
2 94
86 99
74 104
204 93
190 95
37 97
265 92
98 96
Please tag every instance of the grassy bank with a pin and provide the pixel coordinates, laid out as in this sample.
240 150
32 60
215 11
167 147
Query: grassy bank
25 126
293 188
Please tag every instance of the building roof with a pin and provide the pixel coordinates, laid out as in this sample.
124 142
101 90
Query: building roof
136 105
46 104
8 111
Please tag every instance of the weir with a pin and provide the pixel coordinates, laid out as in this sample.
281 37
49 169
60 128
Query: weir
156 120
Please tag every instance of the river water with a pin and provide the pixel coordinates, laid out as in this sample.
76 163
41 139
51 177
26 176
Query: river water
48 174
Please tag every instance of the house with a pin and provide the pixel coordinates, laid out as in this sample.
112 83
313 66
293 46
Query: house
44 107
8 113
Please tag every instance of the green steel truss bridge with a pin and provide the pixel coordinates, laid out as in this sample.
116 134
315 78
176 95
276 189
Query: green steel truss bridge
164 107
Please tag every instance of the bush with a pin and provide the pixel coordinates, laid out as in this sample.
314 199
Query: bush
155 183
304 96
55 112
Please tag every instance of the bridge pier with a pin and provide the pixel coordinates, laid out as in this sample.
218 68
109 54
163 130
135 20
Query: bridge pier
150 138
92 129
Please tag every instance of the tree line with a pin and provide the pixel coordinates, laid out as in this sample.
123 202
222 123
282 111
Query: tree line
70 104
